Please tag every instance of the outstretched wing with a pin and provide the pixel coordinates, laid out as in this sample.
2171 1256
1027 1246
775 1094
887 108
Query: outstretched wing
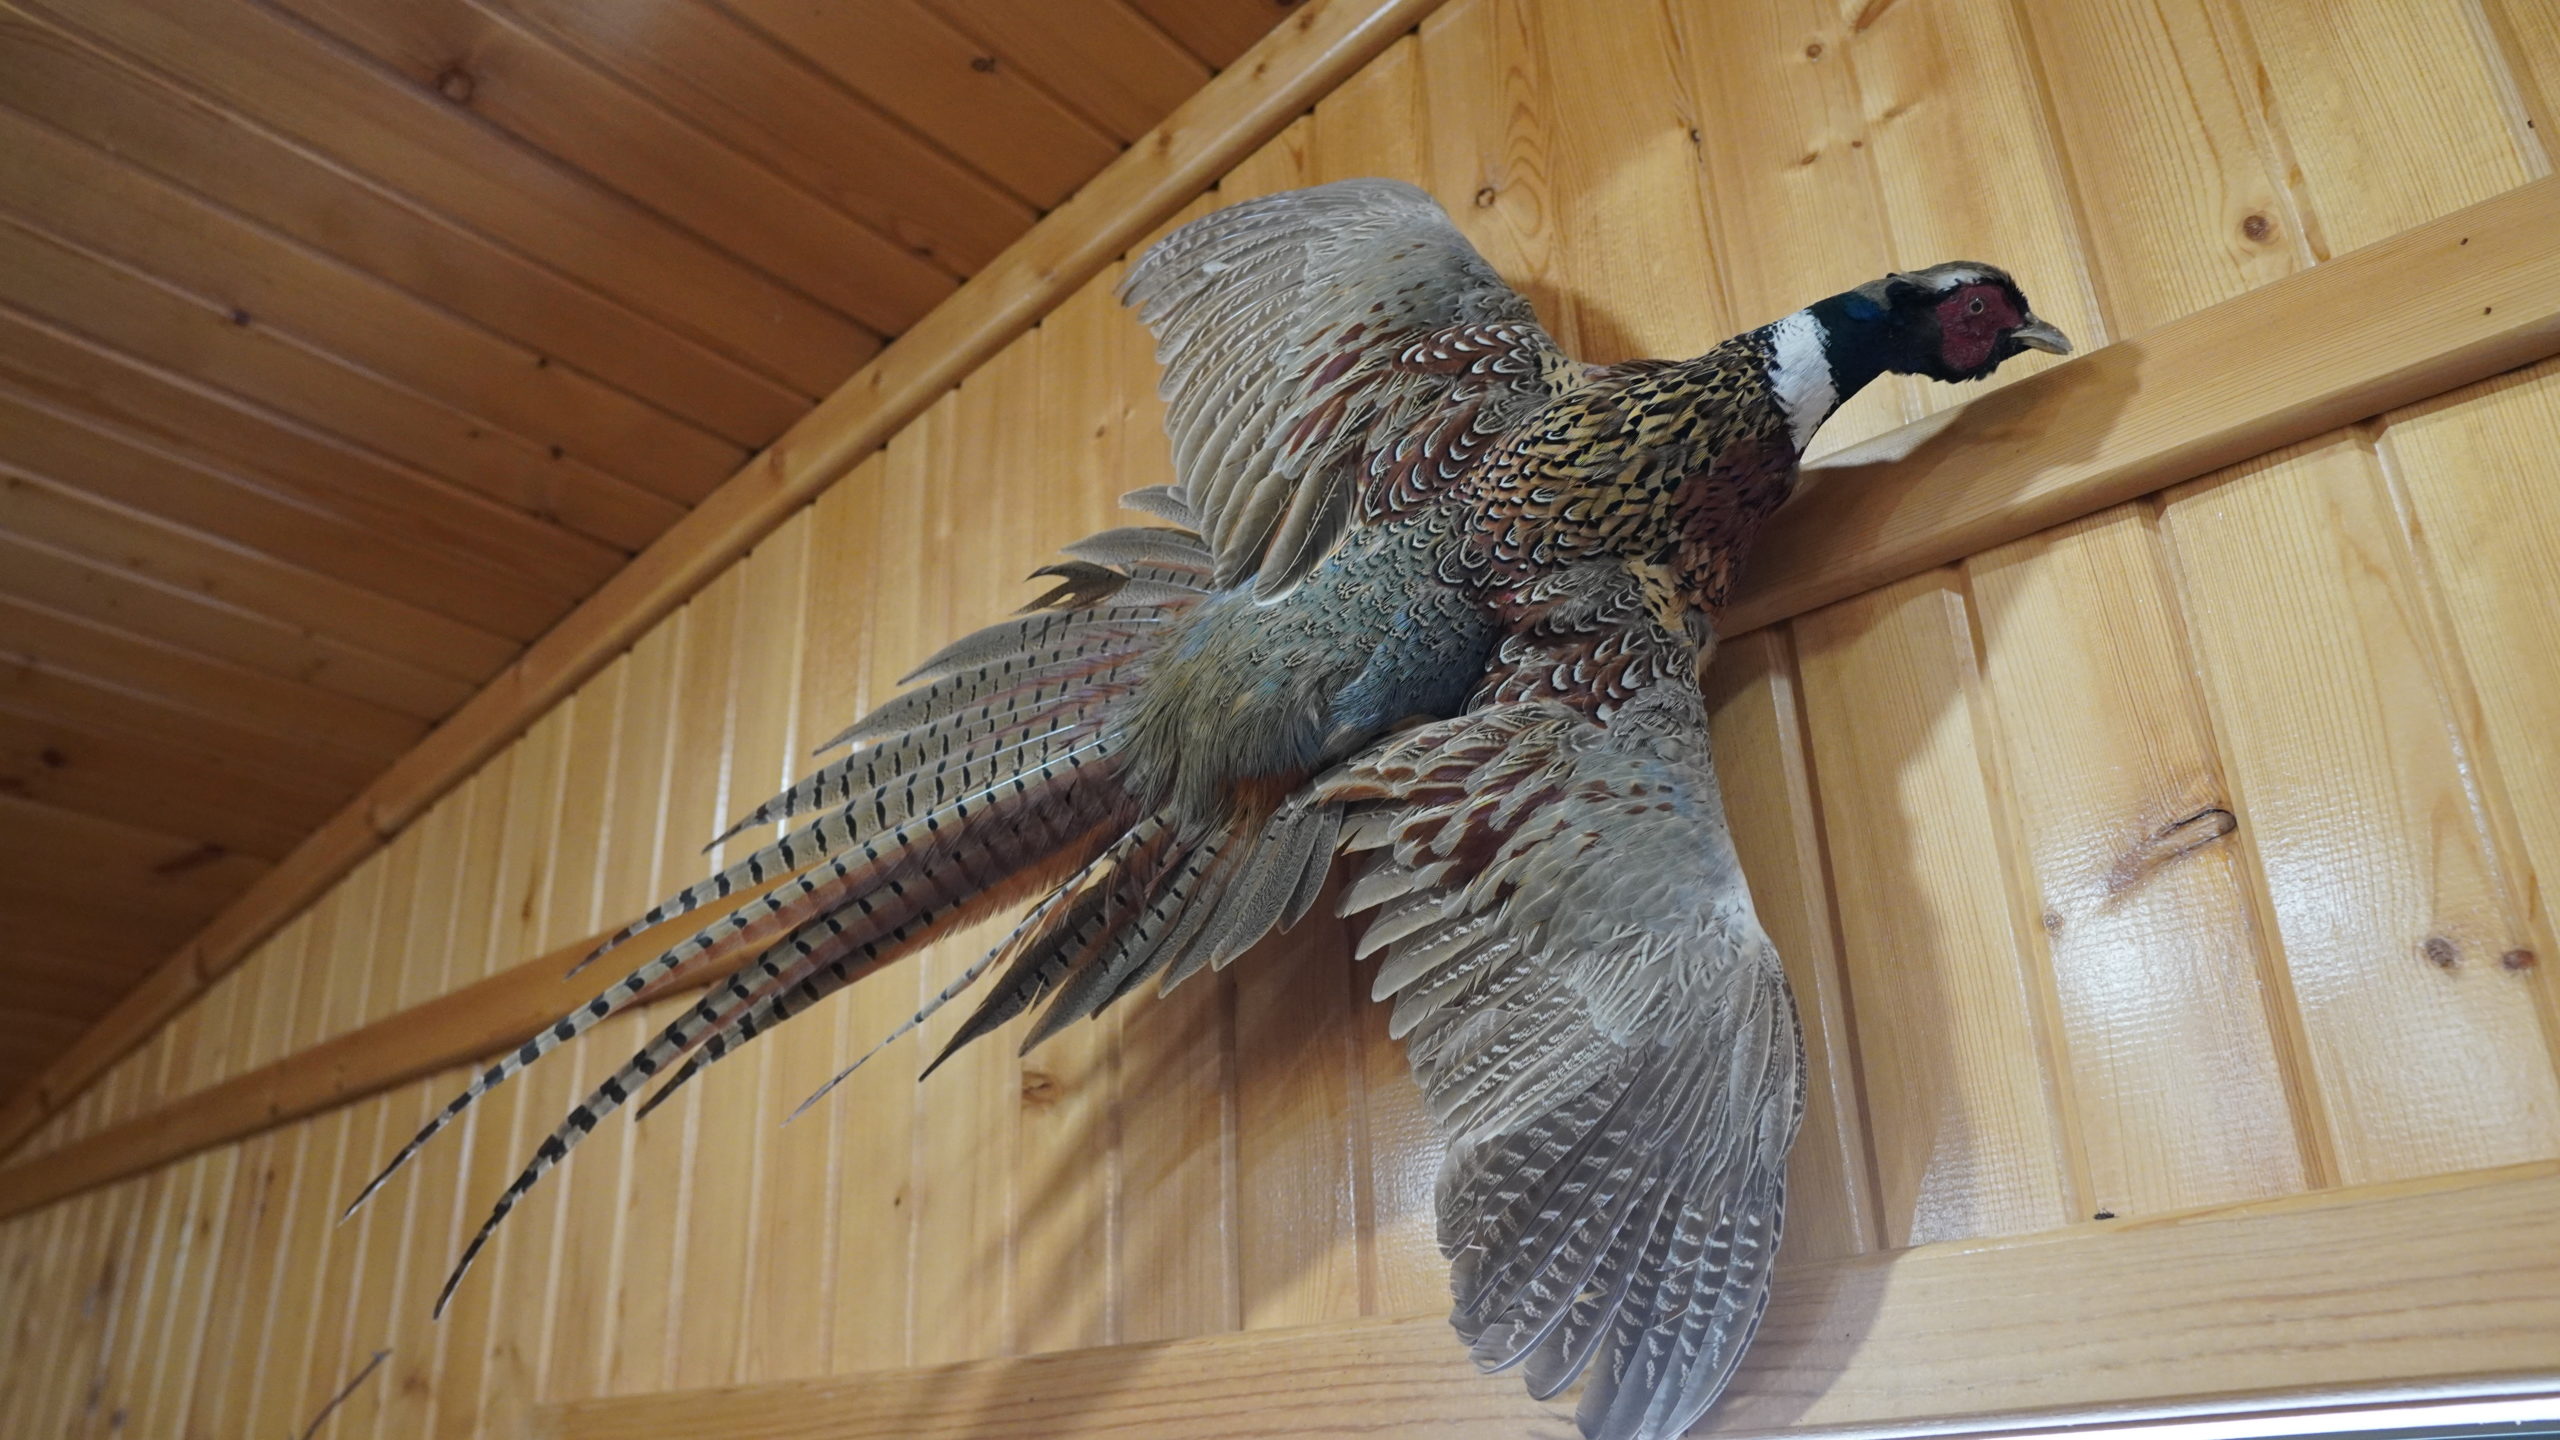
1602 1035
1302 334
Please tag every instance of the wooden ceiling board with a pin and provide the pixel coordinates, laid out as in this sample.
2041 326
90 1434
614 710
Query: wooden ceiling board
346 345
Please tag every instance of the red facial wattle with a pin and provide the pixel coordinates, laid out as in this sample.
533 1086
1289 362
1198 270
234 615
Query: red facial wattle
1971 322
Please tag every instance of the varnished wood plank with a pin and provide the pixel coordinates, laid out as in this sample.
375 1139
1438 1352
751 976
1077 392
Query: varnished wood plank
1117 71
725 78
287 709
1790 183
1967 1132
61 282
1305 57
2209 1311
2393 111
61 447
2174 1022
2349 781
95 200
902 58
123 600
83 90
1217 31
1763 763
518 80
2468 474
120 885
261 66
174 790
2527 37
2179 183
2278 364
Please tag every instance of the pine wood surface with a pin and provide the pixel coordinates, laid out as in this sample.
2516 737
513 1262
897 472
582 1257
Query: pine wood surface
1971 786
448 309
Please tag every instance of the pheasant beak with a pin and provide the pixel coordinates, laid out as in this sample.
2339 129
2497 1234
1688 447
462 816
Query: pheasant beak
2037 335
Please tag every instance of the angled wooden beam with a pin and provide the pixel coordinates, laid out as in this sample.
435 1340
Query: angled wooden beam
1246 104
2449 1286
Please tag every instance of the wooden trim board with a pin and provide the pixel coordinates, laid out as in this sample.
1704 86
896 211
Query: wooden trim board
2451 1287
1244 105
2429 310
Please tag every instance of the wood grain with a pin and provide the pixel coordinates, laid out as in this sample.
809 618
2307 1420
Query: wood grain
2205 1311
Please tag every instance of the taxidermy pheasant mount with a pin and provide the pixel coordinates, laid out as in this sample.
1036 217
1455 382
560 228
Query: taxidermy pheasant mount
1430 592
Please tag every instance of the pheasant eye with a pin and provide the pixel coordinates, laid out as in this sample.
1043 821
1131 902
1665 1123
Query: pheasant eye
1973 306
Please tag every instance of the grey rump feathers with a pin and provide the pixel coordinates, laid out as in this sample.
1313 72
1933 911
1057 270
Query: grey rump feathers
1426 590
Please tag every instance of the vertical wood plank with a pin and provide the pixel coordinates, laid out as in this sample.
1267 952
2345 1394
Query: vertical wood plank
1966 1131
1756 712
2392 109
2176 1043
2349 780
2178 180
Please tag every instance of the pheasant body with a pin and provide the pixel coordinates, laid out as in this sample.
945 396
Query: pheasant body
1430 593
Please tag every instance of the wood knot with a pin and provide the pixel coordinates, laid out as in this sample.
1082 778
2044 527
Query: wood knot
456 84
51 758
2167 845
1040 1088
2258 228
983 64
1813 51
2517 959
2441 953
1486 196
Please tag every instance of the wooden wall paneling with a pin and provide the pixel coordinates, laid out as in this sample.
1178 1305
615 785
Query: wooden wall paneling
286 709
95 385
726 79
1756 707
2469 478
1966 1134
925 73
1052 483
968 1115
141 783
516 79
69 519
1298 1077
213 345
1303 58
789 1310
39 691
636 692
106 595
1964 160
2179 183
97 202
1377 123
2183 1056
861 554
1217 31
138 474
76 884
649 1279
294 191
524 1283
737 1150
265 68
2527 37
1484 97
1791 197
1114 69
2395 113
1179 1198
261 1199
2348 776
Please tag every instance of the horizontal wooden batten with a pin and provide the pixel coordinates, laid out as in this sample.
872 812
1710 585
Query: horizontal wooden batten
2431 309
460 1026
2447 1286
1242 107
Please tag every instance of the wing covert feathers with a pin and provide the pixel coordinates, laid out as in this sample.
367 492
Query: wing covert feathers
1602 1034
1300 335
